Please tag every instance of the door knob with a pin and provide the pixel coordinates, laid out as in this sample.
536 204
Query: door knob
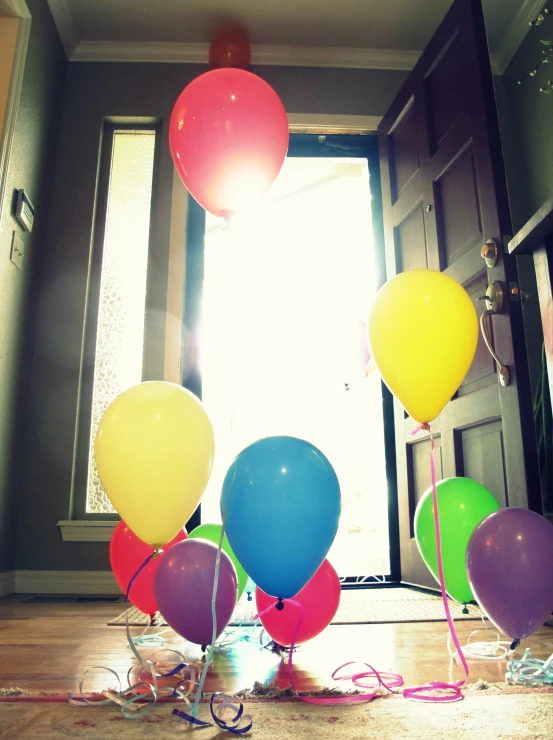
490 253
495 296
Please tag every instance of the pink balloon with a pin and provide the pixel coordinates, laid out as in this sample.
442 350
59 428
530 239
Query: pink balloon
510 570
228 136
183 588
318 600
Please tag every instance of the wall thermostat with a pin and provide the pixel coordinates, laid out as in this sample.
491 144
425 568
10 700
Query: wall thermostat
24 211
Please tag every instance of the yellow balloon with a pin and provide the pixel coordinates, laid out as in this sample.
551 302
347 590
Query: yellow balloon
154 452
423 332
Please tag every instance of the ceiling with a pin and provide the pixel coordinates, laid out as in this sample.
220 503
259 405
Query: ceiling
350 33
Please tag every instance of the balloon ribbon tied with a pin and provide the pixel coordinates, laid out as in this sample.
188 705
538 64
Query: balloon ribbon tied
452 690
139 699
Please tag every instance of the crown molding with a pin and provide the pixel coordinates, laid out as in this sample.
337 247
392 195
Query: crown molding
516 33
67 30
263 55
278 56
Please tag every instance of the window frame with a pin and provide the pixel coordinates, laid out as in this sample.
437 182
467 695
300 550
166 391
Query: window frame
79 477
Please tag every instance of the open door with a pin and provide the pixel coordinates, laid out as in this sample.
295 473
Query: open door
445 207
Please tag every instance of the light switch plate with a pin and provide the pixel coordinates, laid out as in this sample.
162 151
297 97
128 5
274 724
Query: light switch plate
18 248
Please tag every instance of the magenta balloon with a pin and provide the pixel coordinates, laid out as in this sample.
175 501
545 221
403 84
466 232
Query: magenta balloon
510 570
183 588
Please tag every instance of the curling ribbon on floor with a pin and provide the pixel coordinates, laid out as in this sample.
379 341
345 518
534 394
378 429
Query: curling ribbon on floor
428 691
529 670
139 698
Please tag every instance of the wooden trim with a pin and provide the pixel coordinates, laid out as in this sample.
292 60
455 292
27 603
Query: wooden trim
533 231
14 94
15 8
176 272
65 582
84 530
7 583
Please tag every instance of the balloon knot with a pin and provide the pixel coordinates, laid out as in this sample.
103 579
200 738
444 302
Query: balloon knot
249 597
465 609
204 648
426 426
158 550
514 644
280 604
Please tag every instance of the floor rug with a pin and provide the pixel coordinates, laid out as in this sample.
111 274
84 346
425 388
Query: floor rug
519 716
357 606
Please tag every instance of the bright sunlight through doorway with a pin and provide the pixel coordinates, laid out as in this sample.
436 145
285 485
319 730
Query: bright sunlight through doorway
287 292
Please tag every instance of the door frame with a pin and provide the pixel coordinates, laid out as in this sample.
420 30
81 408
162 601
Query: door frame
13 9
179 314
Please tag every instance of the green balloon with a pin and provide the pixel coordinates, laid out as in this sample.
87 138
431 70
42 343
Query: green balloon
212 532
462 505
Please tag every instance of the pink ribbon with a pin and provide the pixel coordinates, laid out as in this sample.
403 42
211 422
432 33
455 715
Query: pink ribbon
425 693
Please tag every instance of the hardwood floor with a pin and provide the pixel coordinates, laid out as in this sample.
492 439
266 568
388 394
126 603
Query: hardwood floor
49 646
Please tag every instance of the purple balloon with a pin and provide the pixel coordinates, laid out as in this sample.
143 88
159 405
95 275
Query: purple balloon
183 588
510 570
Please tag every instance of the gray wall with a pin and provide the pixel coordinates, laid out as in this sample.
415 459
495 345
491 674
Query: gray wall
31 163
92 92
530 112
526 121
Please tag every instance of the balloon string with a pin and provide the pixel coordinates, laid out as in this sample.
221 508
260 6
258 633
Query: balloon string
530 670
395 679
138 699
427 692
209 656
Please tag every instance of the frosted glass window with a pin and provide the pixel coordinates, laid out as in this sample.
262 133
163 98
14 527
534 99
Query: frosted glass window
120 331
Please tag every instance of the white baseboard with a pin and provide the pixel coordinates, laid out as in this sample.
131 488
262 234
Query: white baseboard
7 583
86 582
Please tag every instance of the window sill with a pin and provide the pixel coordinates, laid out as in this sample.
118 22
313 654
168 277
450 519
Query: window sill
86 530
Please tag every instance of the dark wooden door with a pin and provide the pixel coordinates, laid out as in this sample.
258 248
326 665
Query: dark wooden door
444 196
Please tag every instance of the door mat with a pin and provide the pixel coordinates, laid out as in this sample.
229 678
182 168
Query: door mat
359 606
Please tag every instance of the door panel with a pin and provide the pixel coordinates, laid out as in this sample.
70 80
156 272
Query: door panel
410 240
456 198
444 195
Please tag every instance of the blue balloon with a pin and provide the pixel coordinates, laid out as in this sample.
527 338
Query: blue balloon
281 507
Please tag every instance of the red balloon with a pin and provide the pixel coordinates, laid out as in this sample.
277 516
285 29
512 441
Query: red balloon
320 597
228 136
126 554
230 48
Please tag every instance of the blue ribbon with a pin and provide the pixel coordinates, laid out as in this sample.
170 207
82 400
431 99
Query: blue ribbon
217 709
530 670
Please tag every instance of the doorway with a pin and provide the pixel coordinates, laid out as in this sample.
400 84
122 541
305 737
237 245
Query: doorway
282 346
